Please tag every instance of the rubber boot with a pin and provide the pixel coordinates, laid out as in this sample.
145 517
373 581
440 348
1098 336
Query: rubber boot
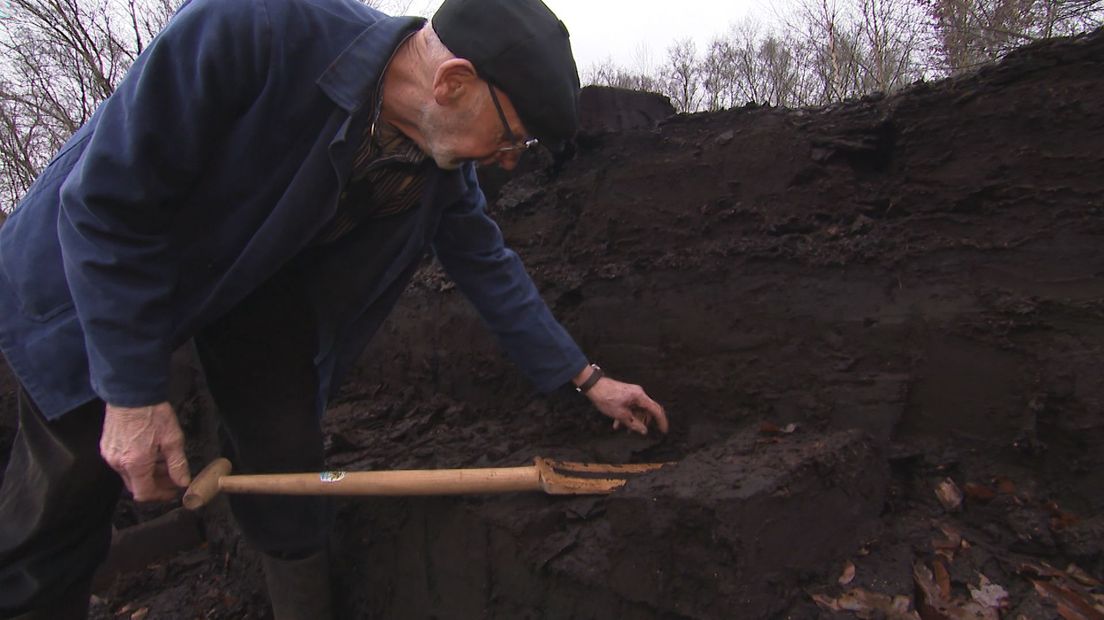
299 589
73 605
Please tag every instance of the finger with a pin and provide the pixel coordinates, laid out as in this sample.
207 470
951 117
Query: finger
616 424
166 487
153 485
660 418
177 462
142 484
654 411
638 426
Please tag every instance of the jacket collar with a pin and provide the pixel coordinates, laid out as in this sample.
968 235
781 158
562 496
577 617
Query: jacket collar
351 78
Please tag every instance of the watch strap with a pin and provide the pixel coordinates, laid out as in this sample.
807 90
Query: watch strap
595 375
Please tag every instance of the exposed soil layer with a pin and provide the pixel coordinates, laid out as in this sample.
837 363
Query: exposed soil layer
914 282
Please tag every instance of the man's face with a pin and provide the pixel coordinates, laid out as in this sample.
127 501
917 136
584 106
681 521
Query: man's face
474 131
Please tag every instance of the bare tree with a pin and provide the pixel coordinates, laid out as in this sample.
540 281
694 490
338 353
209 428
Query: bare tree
785 81
971 32
608 73
720 74
891 32
854 47
61 59
683 75
831 46
393 7
766 67
644 62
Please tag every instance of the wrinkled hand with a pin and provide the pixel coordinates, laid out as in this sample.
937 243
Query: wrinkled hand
628 405
146 446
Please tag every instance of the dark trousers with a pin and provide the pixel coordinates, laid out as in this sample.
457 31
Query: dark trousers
58 496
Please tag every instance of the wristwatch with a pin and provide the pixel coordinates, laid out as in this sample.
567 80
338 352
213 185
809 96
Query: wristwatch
595 375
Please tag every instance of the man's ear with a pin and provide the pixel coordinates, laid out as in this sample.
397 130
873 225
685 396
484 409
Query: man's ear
452 80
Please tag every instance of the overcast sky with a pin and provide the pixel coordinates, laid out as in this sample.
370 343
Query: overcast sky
618 29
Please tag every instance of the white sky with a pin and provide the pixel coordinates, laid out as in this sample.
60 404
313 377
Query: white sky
621 29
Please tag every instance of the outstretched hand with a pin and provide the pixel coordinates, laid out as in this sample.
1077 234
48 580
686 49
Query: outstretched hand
629 406
146 446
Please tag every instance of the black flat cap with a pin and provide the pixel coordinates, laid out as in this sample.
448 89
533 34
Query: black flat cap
521 47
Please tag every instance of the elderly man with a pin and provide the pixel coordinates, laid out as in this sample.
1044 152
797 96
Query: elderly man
263 182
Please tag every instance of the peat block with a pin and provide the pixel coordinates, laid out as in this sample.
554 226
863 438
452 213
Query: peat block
135 547
734 529
605 108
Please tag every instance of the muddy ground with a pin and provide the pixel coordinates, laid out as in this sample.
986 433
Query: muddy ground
844 311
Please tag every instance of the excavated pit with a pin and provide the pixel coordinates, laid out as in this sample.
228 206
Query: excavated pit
915 282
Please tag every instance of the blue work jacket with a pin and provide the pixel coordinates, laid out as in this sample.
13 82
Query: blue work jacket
216 161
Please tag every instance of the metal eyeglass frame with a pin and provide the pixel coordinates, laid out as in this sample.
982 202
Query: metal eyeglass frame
515 143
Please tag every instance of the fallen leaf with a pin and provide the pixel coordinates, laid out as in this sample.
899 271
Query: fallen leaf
977 491
1082 577
944 544
952 541
1067 580
869 605
848 573
942 579
988 593
1005 486
770 428
1062 520
946 554
903 605
950 532
932 605
1042 569
825 602
949 494
1071 605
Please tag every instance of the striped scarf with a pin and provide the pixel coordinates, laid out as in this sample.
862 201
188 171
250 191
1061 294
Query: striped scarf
389 172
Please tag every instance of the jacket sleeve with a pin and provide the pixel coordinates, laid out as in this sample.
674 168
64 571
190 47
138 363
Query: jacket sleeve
176 104
471 249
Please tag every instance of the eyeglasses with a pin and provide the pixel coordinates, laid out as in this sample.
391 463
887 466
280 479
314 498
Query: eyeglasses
515 143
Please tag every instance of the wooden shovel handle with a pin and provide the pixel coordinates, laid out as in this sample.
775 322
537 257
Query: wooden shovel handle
205 485
215 478
389 483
